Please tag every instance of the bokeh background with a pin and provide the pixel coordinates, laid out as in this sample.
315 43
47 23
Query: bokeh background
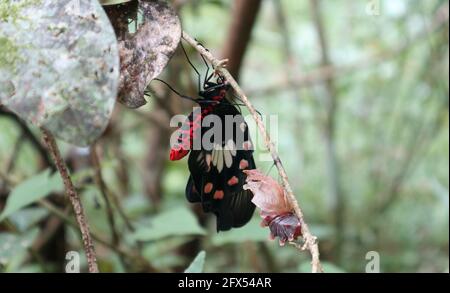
360 89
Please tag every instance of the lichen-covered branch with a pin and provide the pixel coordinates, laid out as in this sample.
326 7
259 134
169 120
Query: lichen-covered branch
310 240
74 200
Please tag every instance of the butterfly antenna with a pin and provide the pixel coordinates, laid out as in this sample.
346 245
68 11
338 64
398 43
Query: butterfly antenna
270 169
176 92
243 104
207 76
192 65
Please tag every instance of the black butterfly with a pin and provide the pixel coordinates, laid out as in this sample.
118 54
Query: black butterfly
217 176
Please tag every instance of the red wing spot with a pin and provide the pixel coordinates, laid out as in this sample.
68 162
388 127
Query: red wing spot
176 155
219 194
233 181
208 187
243 164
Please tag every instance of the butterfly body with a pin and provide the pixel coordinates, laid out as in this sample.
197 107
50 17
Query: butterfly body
187 132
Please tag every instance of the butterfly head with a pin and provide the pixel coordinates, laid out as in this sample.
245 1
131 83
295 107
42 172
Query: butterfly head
215 91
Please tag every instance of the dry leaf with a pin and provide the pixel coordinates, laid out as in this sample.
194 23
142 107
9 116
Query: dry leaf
286 227
268 194
144 54
275 208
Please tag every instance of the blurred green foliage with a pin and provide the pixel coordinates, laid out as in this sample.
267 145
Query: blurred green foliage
392 147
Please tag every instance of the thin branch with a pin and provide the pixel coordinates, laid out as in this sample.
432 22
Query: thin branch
74 199
310 240
29 135
15 153
331 103
244 17
98 176
121 251
325 73
108 195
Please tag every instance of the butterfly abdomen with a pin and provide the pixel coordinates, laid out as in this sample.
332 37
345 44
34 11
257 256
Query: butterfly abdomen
187 133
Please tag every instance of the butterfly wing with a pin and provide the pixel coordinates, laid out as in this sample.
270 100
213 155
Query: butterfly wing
217 176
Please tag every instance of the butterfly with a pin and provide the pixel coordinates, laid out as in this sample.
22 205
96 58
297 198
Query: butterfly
217 139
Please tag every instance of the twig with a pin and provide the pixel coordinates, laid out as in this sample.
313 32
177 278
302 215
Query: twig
103 190
108 193
244 16
310 240
121 251
331 105
324 73
15 153
74 199
29 135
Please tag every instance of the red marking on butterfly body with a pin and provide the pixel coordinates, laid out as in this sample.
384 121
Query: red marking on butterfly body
185 139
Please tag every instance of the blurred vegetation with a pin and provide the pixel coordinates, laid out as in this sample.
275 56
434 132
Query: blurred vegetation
373 178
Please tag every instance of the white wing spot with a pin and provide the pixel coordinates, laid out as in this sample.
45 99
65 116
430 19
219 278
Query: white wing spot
200 156
232 147
228 158
243 126
208 161
220 160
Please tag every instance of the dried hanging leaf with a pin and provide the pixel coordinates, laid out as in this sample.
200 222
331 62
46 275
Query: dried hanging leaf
59 66
268 194
275 208
286 227
144 54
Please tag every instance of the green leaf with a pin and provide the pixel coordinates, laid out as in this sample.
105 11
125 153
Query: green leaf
31 190
30 269
322 231
27 217
197 264
250 232
175 222
13 246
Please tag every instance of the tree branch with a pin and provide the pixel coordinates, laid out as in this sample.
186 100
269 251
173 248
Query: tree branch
121 251
103 190
331 104
108 196
325 73
29 135
74 199
243 19
310 240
